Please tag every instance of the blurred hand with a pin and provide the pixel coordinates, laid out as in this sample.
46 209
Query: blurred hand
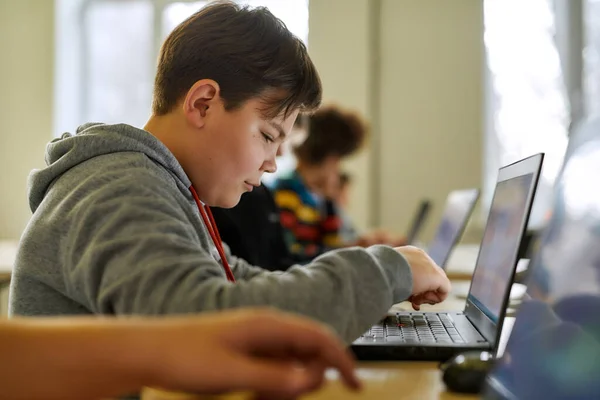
270 353
380 236
365 240
398 241
430 283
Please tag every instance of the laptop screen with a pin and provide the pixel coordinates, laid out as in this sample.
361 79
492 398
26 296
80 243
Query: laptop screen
501 241
554 348
459 206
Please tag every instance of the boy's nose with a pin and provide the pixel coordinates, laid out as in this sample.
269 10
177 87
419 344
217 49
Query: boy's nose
270 166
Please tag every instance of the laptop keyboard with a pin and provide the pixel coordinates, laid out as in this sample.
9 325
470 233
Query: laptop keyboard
416 328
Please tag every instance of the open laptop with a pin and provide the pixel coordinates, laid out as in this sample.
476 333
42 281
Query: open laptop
457 212
419 221
438 336
553 351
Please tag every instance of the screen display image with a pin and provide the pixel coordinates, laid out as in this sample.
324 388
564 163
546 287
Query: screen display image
500 243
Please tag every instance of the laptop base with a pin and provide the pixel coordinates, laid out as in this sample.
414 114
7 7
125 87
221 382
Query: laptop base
387 352
422 336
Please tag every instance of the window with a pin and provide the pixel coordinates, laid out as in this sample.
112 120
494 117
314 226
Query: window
528 107
106 53
592 57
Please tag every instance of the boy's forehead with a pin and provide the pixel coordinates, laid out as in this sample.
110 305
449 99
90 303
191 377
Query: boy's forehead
285 121
269 103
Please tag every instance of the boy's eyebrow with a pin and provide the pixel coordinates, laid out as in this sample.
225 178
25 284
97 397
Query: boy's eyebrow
279 129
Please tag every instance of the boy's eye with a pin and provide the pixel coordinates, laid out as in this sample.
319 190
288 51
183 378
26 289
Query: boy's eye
268 138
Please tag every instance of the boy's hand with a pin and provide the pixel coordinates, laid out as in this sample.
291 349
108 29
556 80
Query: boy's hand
430 283
272 354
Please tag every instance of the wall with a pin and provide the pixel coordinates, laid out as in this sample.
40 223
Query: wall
427 135
26 72
432 61
338 40
421 63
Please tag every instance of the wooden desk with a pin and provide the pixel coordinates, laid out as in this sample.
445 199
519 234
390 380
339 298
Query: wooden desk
381 381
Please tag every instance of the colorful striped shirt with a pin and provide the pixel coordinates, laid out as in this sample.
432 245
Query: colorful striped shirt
311 223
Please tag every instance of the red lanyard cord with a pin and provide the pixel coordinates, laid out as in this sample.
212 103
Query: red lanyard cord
211 226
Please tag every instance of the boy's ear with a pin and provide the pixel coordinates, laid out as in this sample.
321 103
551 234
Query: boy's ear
203 95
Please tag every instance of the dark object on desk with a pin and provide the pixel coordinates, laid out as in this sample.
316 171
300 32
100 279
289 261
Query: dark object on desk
253 232
526 250
465 373
527 244
419 221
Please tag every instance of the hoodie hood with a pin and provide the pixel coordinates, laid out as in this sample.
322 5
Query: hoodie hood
93 140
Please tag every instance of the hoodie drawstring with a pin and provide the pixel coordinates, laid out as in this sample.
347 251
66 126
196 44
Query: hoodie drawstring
211 226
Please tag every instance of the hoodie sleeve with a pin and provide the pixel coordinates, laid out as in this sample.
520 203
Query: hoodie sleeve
131 250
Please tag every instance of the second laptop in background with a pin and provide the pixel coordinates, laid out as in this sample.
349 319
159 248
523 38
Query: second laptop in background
457 213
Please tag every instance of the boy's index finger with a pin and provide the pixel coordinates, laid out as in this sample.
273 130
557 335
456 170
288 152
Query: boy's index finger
301 337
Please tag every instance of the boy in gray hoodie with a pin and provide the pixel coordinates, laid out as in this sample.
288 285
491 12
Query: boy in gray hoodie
121 220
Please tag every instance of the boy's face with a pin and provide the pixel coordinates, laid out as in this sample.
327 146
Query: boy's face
229 154
323 178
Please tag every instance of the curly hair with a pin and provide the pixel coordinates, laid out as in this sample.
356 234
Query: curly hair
331 132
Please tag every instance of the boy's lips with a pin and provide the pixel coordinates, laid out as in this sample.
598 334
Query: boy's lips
251 185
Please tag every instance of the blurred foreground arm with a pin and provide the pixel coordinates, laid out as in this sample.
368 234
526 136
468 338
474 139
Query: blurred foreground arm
266 352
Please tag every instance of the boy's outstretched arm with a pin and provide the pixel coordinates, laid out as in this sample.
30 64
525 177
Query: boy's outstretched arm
134 251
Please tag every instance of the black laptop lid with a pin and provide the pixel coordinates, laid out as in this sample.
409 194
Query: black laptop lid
554 348
419 221
497 259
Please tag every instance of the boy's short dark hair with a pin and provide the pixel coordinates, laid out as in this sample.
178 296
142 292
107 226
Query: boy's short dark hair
248 52
331 132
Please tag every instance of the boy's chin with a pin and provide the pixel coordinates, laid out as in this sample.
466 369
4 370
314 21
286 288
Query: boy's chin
230 201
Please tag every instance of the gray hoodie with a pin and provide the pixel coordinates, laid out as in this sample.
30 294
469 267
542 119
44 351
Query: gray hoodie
115 230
